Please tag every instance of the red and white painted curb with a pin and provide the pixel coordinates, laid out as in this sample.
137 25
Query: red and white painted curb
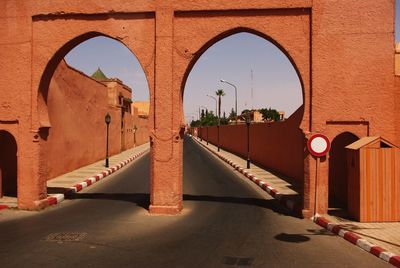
334 228
358 241
3 207
58 198
282 198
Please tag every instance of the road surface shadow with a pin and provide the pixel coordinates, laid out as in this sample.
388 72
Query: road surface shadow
140 199
300 238
143 200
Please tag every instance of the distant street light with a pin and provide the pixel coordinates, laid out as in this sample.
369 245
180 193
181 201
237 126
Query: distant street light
216 104
108 121
218 135
207 134
224 81
216 114
134 135
248 121
199 110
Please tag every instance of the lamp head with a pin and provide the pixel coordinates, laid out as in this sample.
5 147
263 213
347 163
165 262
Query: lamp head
108 118
222 80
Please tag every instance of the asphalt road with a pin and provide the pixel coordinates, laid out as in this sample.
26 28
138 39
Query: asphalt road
226 222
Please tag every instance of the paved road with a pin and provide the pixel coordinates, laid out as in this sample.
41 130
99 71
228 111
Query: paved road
227 222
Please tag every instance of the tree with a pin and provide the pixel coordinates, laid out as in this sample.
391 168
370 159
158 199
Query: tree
195 123
209 120
232 115
220 93
224 121
270 114
245 112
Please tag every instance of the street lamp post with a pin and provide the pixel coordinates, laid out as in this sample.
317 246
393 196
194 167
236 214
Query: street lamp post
207 134
218 134
218 125
248 139
108 121
216 104
216 113
134 135
224 81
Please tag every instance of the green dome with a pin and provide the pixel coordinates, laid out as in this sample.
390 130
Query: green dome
99 75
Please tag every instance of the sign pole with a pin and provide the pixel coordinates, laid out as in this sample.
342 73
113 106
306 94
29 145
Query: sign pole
318 145
316 185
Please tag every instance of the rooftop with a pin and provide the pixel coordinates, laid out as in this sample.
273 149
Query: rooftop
99 75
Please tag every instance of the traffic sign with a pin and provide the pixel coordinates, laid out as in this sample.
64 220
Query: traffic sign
318 145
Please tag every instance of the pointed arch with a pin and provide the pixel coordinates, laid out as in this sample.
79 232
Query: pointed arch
228 33
51 66
8 164
337 170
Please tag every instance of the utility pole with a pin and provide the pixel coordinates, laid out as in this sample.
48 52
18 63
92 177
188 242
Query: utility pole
252 92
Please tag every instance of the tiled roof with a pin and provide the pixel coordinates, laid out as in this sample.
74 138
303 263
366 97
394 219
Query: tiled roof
99 75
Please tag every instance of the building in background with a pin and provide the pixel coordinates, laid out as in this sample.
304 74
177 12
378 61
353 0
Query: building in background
140 111
143 107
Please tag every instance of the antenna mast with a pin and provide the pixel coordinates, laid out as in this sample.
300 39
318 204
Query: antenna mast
252 103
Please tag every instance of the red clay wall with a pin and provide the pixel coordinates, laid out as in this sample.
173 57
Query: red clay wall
397 114
277 146
77 137
142 133
343 51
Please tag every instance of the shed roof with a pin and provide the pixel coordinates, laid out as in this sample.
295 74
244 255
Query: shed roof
365 141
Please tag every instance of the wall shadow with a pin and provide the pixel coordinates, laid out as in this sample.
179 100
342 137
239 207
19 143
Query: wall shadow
338 170
143 200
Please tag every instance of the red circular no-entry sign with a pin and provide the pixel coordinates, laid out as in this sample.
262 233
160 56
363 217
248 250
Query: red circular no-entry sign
318 145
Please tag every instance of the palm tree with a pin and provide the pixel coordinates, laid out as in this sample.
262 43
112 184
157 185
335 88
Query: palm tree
219 93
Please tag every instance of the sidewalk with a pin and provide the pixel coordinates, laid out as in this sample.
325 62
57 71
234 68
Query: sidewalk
285 189
384 235
80 178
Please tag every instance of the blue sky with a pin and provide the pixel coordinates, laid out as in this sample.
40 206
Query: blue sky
275 83
397 21
114 59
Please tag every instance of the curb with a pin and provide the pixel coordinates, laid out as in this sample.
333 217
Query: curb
321 221
3 207
358 241
58 198
282 198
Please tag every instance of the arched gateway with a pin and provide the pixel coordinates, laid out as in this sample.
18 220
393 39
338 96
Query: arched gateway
167 37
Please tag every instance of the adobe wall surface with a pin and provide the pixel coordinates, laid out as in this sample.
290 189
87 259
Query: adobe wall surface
342 51
352 64
397 92
142 134
143 107
397 101
277 146
77 105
